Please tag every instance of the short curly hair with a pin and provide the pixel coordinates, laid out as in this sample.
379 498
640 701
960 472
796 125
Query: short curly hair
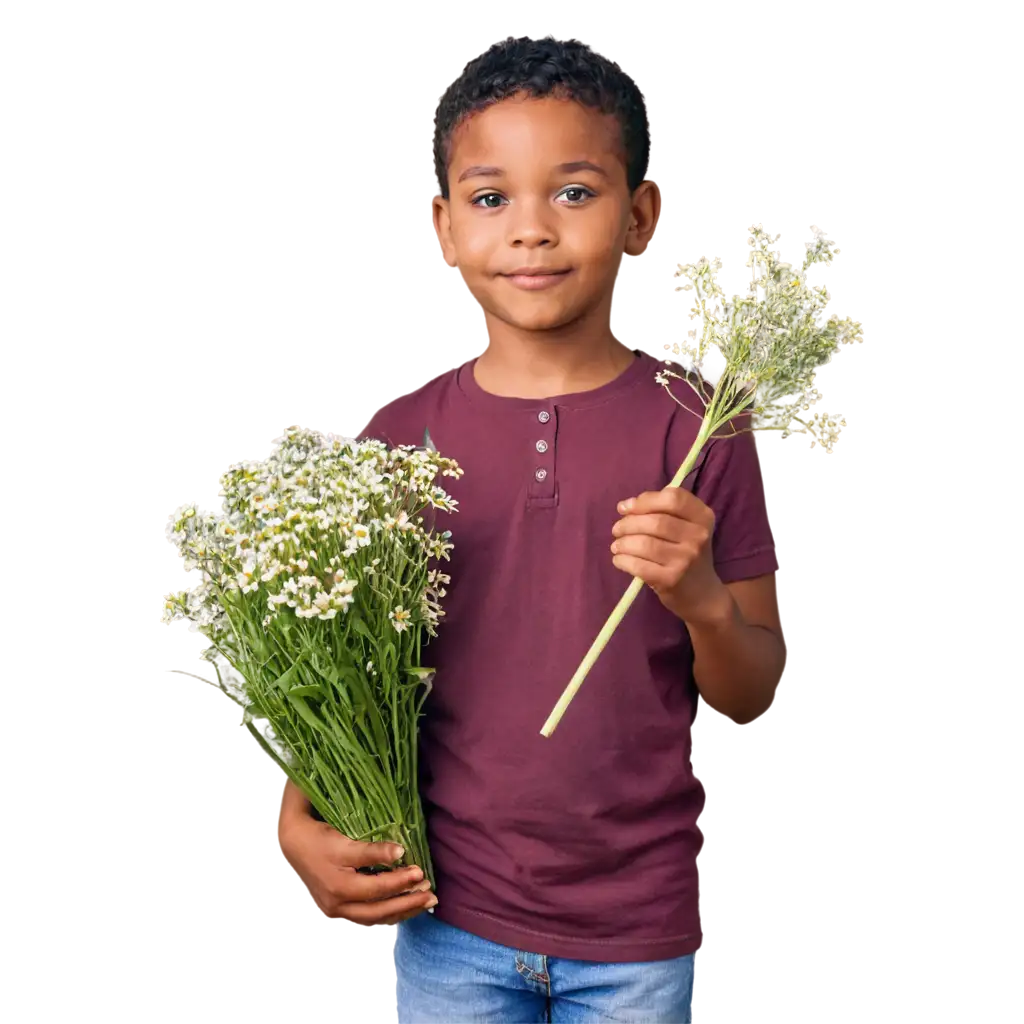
567 69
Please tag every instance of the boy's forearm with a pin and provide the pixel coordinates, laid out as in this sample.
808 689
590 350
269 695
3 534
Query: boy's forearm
295 805
736 665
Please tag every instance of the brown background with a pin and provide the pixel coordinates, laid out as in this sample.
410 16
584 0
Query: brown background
211 224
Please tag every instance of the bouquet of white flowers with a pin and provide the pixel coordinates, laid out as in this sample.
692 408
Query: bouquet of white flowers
317 590
772 341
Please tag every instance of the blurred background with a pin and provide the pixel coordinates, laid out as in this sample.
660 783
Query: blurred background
215 222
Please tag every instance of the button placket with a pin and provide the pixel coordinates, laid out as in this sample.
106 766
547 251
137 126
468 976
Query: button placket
542 488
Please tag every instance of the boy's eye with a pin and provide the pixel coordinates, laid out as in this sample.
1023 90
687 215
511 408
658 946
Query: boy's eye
582 192
486 195
573 195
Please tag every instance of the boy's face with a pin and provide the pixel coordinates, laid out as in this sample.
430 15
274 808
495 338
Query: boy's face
515 202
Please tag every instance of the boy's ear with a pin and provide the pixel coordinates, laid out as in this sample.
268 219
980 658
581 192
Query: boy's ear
644 212
443 227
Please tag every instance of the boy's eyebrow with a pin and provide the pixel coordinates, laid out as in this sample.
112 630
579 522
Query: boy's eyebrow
479 171
581 165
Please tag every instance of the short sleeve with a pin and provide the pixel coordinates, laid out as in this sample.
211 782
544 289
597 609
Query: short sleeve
405 419
393 425
728 480
380 428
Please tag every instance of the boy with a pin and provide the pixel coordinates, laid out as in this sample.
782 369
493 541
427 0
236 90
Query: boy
566 867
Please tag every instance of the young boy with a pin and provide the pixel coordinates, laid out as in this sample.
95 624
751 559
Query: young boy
566 867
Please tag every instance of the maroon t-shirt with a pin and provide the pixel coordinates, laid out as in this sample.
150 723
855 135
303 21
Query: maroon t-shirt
583 845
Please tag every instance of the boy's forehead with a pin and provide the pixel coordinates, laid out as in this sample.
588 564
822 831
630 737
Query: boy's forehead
535 132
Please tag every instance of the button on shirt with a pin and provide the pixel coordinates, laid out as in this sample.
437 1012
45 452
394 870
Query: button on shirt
583 845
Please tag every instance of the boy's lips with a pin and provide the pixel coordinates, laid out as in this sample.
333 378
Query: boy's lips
534 278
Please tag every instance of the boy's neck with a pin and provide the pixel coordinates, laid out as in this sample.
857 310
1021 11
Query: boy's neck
523 367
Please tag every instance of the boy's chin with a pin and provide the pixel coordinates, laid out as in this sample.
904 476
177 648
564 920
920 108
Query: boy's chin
537 319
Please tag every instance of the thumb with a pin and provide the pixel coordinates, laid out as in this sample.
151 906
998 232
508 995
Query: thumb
364 855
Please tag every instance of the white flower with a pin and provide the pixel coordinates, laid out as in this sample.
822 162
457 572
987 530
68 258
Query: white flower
298 518
440 546
400 618
762 349
247 579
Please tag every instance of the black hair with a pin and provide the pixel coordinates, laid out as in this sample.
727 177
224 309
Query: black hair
566 69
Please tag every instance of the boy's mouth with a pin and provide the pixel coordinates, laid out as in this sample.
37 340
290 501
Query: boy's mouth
534 278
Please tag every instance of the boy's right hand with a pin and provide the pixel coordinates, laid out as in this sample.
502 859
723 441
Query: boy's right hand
326 861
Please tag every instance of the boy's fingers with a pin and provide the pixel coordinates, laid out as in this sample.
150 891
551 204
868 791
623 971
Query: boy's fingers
647 548
406 889
672 500
652 501
656 524
380 887
384 910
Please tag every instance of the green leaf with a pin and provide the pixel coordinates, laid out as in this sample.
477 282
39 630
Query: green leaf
310 690
367 714
307 715
284 681
363 630
330 673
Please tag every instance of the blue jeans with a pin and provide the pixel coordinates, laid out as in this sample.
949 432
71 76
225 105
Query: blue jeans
448 975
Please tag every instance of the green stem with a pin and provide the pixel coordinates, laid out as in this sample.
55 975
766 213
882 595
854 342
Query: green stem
624 603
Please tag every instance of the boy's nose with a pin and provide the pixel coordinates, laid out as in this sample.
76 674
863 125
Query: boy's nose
532 236
531 225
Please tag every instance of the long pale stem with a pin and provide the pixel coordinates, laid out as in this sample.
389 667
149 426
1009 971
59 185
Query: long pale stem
627 599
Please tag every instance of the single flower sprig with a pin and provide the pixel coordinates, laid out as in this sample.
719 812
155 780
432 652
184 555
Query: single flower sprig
773 342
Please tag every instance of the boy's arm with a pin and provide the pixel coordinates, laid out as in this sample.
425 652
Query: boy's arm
293 801
739 651
707 549
665 538
296 806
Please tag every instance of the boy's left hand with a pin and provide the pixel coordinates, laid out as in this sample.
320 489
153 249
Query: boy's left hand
664 538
